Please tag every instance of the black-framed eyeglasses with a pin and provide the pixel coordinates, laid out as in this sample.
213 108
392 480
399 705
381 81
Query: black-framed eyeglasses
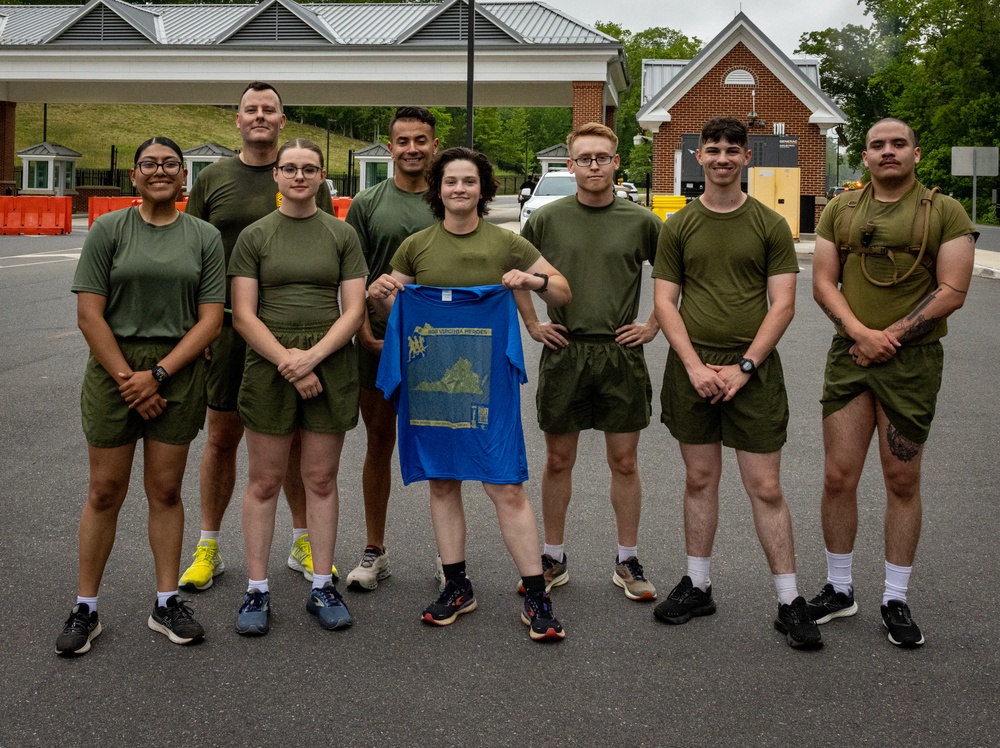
170 168
309 171
586 161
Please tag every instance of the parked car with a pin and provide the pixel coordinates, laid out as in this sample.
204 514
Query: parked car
630 191
552 186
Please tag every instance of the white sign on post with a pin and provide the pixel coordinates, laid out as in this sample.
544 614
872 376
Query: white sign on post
974 162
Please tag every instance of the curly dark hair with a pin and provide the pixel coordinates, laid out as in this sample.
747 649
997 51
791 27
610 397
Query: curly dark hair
487 181
724 128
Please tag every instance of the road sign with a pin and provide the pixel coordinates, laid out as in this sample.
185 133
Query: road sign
974 162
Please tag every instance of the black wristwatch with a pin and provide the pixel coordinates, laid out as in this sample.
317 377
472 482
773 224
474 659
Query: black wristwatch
160 374
545 282
747 366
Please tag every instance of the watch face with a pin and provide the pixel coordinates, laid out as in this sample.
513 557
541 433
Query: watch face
746 366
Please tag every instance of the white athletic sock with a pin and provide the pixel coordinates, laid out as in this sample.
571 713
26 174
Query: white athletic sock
897 579
90 601
786 587
210 535
698 569
838 571
321 580
258 584
298 532
162 597
625 552
558 552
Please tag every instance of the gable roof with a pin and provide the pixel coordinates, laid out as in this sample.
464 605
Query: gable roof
824 110
109 22
376 150
449 22
277 21
49 150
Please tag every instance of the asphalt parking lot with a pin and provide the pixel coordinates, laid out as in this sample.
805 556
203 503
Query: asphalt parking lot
619 677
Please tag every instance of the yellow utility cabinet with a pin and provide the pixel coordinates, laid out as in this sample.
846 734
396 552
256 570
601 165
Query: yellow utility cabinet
666 205
779 189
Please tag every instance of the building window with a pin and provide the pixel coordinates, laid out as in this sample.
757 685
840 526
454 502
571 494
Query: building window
38 175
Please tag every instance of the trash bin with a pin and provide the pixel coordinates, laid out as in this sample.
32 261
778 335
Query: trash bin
666 205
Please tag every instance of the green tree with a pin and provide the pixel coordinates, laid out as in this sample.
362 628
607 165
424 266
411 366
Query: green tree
657 42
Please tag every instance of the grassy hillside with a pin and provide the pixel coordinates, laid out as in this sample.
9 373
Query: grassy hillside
91 129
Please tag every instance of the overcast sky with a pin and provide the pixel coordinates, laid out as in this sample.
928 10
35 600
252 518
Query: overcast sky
781 21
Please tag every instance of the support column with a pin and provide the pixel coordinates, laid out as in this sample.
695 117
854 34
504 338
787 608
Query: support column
609 116
7 148
663 161
588 102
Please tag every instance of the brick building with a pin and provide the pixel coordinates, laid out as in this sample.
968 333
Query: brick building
742 74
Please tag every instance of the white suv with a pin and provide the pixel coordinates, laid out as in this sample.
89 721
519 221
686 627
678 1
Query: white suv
552 186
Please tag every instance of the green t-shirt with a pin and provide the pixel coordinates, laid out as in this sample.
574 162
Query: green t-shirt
299 264
874 306
600 251
231 195
384 216
722 262
154 277
436 257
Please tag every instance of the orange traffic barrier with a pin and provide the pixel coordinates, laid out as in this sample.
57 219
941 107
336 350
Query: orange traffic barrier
32 215
98 206
340 207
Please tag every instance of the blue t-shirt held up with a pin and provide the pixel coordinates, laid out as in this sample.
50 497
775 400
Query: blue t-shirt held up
453 364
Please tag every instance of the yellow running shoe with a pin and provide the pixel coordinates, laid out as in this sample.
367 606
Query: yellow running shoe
207 565
300 558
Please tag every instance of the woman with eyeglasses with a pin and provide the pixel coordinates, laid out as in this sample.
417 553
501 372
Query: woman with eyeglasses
301 371
150 288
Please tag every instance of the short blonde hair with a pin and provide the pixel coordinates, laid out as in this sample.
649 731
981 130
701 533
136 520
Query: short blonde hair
592 128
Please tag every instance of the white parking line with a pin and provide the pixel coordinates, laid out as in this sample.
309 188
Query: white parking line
41 258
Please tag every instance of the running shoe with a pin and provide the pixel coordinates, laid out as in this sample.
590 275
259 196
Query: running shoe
541 621
630 577
176 621
555 572
374 567
328 606
899 625
207 565
830 604
300 558
81 628
800 631
254 615
685 602
456 600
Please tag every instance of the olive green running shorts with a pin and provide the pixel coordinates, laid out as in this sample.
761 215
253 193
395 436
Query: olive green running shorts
906 385
109 422
270 404
225 368
756 420
593 385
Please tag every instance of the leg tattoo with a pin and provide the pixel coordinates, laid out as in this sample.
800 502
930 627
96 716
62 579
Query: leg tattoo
902 449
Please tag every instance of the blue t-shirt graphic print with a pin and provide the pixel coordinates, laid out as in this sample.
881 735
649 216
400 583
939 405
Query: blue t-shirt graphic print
453 364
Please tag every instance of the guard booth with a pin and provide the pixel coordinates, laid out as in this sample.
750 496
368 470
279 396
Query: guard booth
375 165
779 190
197 158
48 169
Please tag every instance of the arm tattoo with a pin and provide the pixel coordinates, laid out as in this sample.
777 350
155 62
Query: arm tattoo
902 449
829 313
915 314
920 327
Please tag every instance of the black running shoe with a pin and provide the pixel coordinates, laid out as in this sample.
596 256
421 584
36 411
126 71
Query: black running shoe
453 602
800 631
176 621
81 628
898 622
541 621
685 602
830 604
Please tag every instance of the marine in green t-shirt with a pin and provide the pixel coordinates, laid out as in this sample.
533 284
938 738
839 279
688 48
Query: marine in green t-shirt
729 262
885 364
592 371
